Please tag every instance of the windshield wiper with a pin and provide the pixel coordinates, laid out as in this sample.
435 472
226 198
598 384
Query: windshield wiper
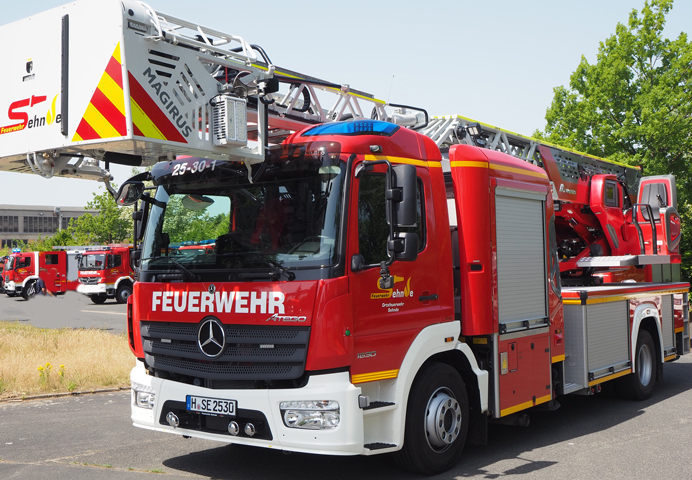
276 266
187 273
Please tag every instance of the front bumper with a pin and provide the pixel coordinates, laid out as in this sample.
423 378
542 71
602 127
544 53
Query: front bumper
345 439
10 287
92 289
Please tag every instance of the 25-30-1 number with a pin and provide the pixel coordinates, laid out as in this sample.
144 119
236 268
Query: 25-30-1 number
197 166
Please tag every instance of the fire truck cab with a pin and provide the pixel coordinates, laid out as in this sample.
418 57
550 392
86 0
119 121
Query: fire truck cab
106 273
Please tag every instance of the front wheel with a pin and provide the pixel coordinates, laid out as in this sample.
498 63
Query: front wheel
123 292
98 299
640 384
437 421
29 291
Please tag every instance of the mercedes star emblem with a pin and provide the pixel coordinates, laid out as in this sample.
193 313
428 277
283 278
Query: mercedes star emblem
211 337
212 289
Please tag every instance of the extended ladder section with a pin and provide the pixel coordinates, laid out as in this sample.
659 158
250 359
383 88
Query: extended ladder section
139 86
600 225
563 166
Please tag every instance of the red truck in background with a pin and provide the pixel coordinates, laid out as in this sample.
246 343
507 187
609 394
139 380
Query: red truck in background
204 247
22 269
106 273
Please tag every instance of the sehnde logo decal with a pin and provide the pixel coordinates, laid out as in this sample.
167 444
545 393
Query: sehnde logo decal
218 302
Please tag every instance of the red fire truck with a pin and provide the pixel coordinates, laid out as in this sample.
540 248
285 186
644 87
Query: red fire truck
371 297
204 247
106 273
22 269
378 290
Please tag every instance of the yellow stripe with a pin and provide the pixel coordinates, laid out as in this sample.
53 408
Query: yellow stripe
520 171
610 377
374 376
669 358
469 164
525 405
113 92
99 123
679 330
77 138
145 125
116 53
615 298
409 161
558 358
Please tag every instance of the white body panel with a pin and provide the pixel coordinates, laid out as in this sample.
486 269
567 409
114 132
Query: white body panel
358 427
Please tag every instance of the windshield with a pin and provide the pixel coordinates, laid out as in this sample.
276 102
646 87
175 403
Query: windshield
9 264
286 220
92 261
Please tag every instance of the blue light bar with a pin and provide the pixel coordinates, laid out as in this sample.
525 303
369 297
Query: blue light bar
358 127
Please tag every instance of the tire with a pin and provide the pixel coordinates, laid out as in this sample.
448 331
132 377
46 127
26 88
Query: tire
28 291
437 421
640 384
123 292
98 299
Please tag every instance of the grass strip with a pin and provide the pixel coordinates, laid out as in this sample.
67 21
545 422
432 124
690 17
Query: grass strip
37 361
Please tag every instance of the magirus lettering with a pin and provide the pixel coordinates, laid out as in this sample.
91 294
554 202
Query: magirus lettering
167 99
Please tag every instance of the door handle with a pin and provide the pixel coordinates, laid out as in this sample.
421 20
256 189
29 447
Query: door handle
427 298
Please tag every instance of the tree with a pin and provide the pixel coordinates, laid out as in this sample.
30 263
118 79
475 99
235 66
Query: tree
182 224
111 225
634 105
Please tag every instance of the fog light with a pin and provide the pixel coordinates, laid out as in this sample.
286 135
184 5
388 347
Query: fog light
233 428
144 399
172 420
250 430
311 414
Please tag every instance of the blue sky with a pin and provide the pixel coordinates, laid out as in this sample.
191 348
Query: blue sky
494 60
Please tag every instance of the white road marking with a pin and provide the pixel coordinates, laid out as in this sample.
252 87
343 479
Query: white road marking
99 311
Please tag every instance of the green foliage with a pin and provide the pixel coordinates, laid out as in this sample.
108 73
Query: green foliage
111 225
182 224
634 105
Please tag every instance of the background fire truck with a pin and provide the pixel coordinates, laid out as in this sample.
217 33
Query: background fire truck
379 290
106 273
22 269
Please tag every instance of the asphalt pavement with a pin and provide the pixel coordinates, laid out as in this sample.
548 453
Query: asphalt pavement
592 438
72 310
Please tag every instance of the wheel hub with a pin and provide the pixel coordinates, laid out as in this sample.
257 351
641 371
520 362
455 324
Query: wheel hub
443 419
644 362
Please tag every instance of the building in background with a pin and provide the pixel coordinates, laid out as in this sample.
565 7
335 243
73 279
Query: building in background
26 223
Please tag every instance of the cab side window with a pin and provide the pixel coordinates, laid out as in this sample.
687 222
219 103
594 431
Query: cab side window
373 229
23 262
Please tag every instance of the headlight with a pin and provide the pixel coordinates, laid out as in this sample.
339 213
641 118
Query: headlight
143 396
311 414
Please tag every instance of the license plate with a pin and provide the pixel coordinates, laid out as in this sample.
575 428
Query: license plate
211 406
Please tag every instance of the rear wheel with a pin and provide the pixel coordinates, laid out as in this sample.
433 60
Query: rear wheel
98 299
640 384
123 292
437 421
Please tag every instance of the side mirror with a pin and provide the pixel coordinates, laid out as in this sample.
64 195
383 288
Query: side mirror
404 246
403 194
129 193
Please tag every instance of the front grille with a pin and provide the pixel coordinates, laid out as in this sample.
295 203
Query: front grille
89 280
252 353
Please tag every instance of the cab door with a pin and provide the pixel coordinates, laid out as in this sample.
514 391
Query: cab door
52 270
386 321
